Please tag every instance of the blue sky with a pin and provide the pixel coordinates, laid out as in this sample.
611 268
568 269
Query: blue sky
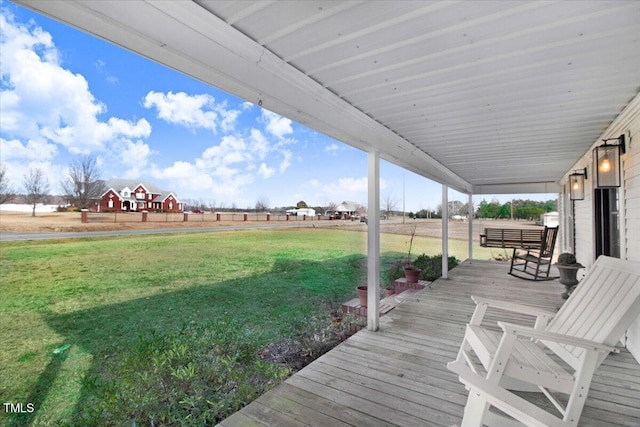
65 93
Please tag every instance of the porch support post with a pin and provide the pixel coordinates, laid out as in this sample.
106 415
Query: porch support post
445 231
373 243
470 218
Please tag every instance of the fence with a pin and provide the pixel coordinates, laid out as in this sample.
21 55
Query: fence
156 217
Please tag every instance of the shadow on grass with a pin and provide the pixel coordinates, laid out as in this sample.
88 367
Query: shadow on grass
273 305
40 391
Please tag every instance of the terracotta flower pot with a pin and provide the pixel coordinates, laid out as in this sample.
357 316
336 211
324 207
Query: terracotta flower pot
390 292
362 294
412 274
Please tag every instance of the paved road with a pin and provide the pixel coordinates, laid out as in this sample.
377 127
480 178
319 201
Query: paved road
10 236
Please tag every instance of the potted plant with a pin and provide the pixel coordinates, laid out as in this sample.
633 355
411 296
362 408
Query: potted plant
390 288
568 268
411 273
362 294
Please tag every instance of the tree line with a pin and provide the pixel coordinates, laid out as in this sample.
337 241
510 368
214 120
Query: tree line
81 187
516 209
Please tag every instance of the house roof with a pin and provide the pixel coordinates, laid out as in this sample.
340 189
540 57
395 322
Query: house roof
347 206
118 184
486 97
163 196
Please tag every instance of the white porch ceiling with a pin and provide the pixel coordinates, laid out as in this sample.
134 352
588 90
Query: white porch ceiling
485 96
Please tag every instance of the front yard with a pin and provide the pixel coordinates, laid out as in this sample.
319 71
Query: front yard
166 329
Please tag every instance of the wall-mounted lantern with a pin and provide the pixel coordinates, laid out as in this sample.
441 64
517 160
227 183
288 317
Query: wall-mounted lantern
576 184
607 157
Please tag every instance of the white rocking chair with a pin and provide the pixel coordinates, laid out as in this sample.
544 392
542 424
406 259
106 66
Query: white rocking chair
519 358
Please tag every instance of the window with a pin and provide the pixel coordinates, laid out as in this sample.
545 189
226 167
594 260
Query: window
607 222
170 206
569 225
110 203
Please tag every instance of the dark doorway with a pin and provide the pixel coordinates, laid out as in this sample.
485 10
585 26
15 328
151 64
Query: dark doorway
607 222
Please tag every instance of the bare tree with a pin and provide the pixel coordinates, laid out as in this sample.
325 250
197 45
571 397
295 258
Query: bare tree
83 185
330 206
36 187
6 193
262 204
211 205
389 204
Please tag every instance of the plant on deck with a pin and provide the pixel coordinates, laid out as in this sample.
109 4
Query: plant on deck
431 267
409 263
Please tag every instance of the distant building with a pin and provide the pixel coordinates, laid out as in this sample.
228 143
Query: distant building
309 212
549 219
349 209
125 195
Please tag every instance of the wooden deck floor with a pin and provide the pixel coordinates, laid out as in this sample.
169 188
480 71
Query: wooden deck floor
398 376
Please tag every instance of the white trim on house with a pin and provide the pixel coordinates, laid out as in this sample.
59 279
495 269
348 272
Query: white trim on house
498 98
627 123
445 231
373 242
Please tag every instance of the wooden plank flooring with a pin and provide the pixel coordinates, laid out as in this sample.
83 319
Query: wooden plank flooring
398 377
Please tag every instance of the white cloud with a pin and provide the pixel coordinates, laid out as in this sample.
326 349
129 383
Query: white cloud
192 111
286 161
276 125
34 149
231 150
229 118
332 149
101 68
351 185
230 166
134 156
185 175
265 171
41 100
347 188
259 144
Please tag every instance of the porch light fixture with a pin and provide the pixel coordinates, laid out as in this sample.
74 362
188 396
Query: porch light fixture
607 157
576 184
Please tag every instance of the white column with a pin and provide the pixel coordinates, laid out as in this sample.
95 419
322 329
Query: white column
470 216
373 244
445 232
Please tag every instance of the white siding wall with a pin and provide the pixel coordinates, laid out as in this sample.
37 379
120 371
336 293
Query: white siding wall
632 215
632 194
585 243
627 123
565 235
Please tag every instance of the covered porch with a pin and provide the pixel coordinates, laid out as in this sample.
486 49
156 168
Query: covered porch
398 376
482 97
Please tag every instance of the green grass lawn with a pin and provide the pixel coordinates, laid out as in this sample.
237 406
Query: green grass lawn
146 315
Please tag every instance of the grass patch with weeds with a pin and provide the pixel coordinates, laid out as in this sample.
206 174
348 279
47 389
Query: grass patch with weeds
145 314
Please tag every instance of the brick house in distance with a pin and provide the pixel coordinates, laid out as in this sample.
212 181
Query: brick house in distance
125 195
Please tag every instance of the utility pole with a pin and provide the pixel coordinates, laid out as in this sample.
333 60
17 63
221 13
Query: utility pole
403 198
